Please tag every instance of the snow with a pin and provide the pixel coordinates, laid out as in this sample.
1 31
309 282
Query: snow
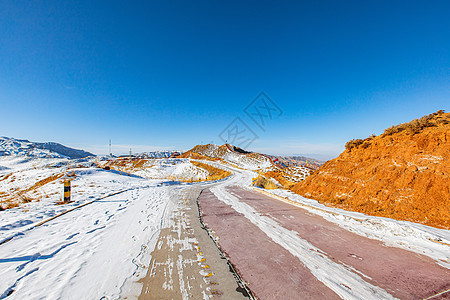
246 161
102 249
173 168
99 250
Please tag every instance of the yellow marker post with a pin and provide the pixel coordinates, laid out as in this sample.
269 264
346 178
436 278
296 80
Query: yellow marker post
66 191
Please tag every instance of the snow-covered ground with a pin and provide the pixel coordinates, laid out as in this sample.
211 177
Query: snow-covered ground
164 168
101 247
180 169
98 250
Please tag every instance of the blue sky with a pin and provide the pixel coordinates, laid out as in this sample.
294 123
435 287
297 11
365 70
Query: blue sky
172 74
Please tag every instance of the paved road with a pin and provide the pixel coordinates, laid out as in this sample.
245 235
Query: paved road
186 263
285 252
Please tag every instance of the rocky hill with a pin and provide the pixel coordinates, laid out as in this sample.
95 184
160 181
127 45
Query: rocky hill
403 173
249 160
230 154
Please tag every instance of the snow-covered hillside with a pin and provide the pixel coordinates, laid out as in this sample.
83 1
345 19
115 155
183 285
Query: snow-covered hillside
232 155
11 146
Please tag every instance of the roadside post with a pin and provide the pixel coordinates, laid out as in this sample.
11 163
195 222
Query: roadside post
66 190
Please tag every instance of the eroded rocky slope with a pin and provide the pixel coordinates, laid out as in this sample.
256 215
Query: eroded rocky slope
403 173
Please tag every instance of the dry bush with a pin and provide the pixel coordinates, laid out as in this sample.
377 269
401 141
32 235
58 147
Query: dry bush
12 205
279 176
17 196
414 127
6 176
24 198
353 143
265 183
417 125
365 145
139 164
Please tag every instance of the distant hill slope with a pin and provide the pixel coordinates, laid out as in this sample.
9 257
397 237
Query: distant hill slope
156 154
11 146
403 173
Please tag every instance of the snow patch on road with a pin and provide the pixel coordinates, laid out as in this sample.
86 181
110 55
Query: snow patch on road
422 239
335 276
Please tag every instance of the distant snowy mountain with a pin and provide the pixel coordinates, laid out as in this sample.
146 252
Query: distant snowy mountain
11 146
156 154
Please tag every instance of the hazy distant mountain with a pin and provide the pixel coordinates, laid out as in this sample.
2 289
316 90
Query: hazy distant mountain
156 154
11 146
299 161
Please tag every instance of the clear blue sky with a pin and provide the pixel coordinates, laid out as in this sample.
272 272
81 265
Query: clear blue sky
173 74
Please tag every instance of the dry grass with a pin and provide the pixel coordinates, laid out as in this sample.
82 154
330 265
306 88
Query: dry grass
17 196
11 205
282 178
213 172
412 128
124 165
194 155
43 182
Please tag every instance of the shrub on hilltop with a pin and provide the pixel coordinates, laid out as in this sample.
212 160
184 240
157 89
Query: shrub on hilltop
414 127
417 125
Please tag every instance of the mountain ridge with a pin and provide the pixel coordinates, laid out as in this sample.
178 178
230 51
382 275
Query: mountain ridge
12 146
